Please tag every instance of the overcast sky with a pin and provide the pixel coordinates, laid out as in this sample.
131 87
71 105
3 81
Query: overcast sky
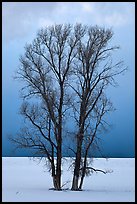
20 23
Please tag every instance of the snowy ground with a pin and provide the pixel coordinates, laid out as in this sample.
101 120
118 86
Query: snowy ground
24 180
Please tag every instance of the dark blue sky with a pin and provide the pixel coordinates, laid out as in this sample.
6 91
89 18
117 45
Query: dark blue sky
20 24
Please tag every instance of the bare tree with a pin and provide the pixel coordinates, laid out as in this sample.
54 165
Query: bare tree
94 71
45 69
66 67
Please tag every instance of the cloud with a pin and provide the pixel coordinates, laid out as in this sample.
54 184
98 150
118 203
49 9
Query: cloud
124 16
22 19
44 22
19 18
109 13
115 19
87 6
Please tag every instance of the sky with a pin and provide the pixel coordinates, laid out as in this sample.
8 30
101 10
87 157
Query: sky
20 23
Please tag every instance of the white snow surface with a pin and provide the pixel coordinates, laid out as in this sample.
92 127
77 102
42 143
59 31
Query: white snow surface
24 180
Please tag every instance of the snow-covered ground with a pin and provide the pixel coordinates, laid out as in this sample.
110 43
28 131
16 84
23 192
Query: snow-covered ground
24 180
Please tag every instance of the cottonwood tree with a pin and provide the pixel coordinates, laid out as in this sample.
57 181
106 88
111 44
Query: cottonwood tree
65 61
45 68
94 71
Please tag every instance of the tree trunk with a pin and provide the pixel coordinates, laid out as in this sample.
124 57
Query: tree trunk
77 167
81 182
56 183
75 183
82 177
59 140
83 170
56 175
58 170
79 149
